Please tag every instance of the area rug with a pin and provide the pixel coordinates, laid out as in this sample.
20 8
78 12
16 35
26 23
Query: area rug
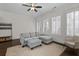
44 50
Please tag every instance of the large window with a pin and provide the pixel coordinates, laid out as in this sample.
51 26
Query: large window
73 23
39 26
70 22
77 23
45 25
56 25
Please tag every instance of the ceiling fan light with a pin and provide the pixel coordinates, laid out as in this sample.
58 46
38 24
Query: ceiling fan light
32 8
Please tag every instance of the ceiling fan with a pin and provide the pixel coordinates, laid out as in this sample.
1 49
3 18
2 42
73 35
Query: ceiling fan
32 7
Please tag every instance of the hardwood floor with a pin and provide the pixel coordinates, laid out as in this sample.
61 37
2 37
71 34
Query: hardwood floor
5 45
69 52
3 51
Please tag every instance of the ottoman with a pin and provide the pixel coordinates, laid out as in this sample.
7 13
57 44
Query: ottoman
33 42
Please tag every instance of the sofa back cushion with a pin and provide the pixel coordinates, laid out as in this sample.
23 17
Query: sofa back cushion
37 34
32 34
25 35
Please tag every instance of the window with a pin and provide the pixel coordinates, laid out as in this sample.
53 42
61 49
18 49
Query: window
39 25
45 25
77 23
70 20
73 23
56 25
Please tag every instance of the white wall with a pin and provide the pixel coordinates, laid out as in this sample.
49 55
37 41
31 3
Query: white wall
20 23
59 11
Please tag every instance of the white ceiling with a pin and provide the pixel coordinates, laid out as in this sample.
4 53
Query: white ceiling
19 9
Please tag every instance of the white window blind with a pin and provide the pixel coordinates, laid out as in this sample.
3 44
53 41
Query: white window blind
73 23
56 25
70 22
39 24
38 27
77 23
45 25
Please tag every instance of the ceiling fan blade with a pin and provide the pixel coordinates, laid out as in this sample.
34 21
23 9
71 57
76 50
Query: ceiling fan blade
35 10
27 5
38 6
29 9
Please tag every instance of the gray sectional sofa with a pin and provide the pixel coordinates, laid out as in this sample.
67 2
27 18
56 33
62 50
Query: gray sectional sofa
34 39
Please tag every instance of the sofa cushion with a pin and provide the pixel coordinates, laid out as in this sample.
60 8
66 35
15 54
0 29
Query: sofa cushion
35 37
46 37
33 40
37 34
32 34
25 35
26 39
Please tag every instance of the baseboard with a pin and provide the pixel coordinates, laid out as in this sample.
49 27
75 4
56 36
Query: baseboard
59 43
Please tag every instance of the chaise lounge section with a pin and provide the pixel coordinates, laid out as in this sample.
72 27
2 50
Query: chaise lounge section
46 39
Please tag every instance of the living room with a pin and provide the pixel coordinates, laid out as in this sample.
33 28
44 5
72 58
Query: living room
50 29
